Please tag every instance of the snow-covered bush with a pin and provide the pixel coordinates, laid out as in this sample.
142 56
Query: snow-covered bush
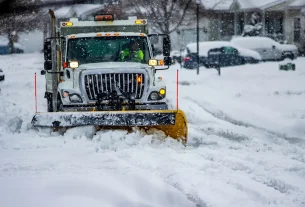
255 27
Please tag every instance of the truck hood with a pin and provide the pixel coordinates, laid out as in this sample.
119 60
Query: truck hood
109 65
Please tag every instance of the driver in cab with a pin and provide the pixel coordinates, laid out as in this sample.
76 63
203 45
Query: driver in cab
133 53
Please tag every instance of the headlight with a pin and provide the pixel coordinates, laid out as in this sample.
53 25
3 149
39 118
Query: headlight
157 95
75 98
154 96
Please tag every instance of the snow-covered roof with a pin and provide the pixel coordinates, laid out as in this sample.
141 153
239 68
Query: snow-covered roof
247 4
217 5
78 9
297 3
254 4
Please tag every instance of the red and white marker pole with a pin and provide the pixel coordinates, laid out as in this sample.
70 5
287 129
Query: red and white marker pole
35 92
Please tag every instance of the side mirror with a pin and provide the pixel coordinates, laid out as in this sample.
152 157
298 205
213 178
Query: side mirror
43 72
48 65
167 60
166 46
47 50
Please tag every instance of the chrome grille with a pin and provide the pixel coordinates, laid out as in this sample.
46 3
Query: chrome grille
105 83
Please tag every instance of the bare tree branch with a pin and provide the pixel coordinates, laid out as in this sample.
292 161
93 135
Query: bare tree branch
164 15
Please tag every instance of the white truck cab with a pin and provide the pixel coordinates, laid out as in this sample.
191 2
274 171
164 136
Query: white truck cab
93 65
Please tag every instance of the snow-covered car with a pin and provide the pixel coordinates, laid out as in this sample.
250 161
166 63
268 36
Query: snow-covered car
5 48
175 54
243 55
2 76
268 48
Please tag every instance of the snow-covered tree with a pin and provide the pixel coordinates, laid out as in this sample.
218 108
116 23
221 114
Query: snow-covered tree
255 27
15 20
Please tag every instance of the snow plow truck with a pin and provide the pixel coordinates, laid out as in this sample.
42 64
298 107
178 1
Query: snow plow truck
102 72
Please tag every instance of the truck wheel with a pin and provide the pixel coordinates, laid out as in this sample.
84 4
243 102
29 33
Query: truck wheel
59 103
50 103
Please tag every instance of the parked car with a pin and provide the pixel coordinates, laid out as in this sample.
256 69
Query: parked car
5 49
190 61
176 57
2 76
268 48
241 56
224 56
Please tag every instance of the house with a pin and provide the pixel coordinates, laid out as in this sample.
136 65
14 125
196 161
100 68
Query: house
283 20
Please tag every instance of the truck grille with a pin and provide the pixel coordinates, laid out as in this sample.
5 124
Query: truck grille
105 83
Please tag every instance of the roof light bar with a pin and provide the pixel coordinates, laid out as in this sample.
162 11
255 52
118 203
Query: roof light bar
140 21
104 17
67 24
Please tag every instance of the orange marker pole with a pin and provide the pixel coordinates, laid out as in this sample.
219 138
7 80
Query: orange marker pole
177 90
35 92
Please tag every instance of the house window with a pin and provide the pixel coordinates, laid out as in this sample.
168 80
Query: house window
297 29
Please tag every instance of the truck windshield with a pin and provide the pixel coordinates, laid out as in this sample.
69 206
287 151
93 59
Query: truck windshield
108 49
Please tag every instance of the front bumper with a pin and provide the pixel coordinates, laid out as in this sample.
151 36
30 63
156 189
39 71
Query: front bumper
105 118
151 106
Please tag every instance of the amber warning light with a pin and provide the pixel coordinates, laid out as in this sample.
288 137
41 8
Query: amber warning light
139 79
107 17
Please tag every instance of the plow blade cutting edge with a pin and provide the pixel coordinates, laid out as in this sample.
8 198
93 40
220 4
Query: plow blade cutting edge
172 122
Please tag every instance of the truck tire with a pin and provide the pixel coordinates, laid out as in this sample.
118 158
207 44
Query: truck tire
50 104
59 103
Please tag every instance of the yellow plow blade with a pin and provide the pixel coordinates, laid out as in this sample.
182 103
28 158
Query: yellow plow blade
172 122
179 130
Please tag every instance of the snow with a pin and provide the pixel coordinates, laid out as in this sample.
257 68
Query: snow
246 144
254 42
250 4
261 42
79 9
297 3
245 4
4 41
217 5
204 48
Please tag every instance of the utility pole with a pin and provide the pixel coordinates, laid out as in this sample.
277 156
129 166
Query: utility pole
198 3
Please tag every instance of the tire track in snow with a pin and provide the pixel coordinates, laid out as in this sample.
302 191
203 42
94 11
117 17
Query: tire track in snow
277 184
296 152
223 116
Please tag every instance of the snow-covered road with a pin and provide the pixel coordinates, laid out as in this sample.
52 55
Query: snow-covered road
246 145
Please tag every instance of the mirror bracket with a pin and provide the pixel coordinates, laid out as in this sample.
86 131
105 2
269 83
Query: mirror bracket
43 72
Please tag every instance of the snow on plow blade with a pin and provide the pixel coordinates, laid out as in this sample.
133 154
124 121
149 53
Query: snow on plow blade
172 122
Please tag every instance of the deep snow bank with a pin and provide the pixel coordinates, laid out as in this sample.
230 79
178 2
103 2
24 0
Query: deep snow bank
246 149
